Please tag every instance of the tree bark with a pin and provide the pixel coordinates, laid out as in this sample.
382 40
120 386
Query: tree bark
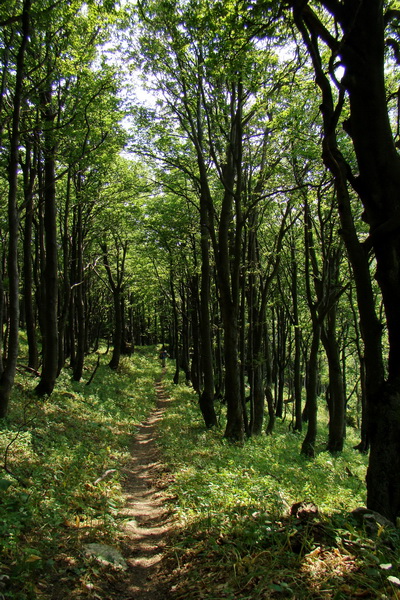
308 446
116 286
29 170
78 285
361 48
117 332
8 374
175 350
195 366
337 399
50 275
185 329
298 422
63 343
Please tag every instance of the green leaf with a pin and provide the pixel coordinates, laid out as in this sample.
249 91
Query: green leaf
5 484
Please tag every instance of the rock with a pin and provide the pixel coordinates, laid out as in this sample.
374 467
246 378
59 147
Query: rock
106 555
362 513
371 520
304 510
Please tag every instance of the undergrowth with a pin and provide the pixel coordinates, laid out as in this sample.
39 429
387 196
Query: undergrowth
238 539
62 462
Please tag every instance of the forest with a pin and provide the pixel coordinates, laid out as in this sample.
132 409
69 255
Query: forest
215 179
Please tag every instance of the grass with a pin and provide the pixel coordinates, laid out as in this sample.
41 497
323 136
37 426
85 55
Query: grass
237 538
64 458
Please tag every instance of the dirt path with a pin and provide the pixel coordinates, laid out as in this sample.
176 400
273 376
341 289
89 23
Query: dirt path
148 521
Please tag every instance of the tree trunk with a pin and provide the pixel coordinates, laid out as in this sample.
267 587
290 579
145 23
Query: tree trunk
234 427
29 179
256 425
308 446
207 393
219 362
337 399
195 367
50 283
78 289
378 185
379 188
242 355
298 422
175 350
206 399
185 329
383 480
116 286
117 332
8 375
66 286
269 384
2 302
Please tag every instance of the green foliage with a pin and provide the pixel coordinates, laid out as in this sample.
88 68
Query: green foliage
267 473
65 458
238 539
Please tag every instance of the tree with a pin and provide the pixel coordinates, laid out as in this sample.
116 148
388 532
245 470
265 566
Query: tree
354 37
50 268
209 71
73 99
8 374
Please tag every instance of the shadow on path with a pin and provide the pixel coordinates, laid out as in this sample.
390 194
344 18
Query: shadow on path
148 521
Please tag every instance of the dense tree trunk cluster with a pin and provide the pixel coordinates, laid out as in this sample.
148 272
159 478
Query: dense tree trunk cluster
59 127
255 230
358 41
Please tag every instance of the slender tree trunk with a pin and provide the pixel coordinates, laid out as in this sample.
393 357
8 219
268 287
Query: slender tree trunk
219 361
116 286
298 422
256 426
281 359
8 375
235 427
175 352
243 355
1 318
308 446
117 332
254 338
78 291
66 286
311 407
206 400
195 367
29 179
337 401
185 334
50 321
271 410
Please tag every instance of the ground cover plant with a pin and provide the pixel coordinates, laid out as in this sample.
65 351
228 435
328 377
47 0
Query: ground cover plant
63 464
63 459
238 538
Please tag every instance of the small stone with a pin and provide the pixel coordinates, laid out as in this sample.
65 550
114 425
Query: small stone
106 555
394 580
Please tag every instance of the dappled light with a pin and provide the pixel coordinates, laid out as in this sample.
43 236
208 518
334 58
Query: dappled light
199 300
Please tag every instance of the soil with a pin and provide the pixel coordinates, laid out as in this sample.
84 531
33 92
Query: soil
149 522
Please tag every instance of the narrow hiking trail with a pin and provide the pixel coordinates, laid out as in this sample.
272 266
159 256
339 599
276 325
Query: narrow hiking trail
148 521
